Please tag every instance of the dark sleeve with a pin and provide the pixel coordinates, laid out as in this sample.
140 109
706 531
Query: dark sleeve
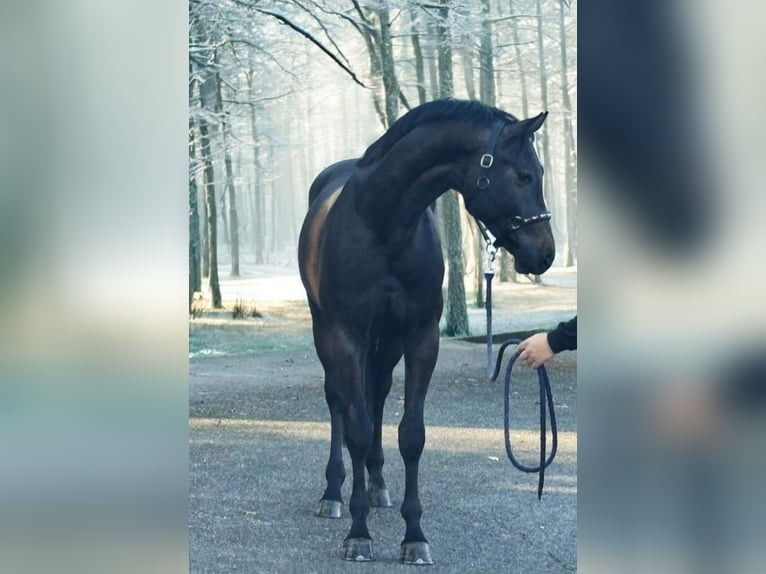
564 337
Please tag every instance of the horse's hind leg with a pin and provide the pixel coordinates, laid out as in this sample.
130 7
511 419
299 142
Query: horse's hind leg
347 363
379 378
331 504
420 352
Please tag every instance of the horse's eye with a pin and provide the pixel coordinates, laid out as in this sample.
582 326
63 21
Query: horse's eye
524 178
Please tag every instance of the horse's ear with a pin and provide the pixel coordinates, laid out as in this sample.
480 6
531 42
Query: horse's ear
531 125
528 127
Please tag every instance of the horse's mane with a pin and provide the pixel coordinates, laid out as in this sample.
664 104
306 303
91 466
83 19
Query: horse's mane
438 110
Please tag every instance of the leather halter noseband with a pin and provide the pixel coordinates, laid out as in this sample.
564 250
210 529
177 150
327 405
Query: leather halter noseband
482 182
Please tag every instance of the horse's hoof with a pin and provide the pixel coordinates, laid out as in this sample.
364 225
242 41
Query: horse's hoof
416 553
379 497
330 508
357 549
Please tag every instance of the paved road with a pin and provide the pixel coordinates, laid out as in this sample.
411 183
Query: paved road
259 439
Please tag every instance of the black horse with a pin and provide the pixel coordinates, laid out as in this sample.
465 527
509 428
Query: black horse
371 262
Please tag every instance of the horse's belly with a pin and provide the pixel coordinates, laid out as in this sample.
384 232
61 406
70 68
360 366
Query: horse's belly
403 308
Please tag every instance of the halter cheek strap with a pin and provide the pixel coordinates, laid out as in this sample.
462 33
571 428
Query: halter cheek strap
483 182
488 158
485 162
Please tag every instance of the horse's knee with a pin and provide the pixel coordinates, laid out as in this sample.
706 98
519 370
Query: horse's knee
412 438
358 432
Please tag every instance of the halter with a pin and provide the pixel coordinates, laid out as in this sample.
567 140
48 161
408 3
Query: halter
482 182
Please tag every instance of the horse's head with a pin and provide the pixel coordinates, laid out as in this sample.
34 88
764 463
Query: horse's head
504 190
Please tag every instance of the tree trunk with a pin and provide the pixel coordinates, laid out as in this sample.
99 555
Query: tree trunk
195 279
212 220
233 219
258 218
507 272
543 133
218 107
274 244
457 313
478 252
477 240
520 63
203 224
433 50
225 217
372 40
486 59
207 93
570 185
390 84
229 212
466 53
417 51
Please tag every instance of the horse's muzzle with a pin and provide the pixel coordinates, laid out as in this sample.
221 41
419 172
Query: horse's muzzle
534 265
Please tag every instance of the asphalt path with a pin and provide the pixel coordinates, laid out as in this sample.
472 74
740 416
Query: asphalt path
259 441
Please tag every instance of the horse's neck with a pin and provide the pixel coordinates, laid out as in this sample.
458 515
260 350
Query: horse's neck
395 191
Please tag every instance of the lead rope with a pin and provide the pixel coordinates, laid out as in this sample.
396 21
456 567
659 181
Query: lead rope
546 397
489 273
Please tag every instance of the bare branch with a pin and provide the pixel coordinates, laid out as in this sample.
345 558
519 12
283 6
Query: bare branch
511 17
354 22
287 22
361 13
326 32
258 100
403 100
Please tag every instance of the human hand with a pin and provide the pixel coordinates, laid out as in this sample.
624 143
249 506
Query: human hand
535 350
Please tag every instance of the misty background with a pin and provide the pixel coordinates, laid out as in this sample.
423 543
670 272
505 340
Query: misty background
279 90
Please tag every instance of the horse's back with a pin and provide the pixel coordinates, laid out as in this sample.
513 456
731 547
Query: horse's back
332 177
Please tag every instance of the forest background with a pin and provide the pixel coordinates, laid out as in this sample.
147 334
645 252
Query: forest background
279 89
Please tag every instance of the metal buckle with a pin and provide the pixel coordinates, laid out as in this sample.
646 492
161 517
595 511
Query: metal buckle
486 160
483 182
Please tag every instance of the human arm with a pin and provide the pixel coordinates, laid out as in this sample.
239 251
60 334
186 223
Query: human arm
537 349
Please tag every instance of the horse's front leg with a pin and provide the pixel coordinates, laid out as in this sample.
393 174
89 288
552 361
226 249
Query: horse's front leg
420 352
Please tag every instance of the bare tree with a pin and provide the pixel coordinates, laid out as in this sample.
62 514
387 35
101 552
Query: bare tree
211 219
229 192
543 133
210 203
457 313
257 215
570 161
390 83
195 277
418 53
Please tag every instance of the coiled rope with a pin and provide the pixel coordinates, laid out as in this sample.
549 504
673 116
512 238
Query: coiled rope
546 402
